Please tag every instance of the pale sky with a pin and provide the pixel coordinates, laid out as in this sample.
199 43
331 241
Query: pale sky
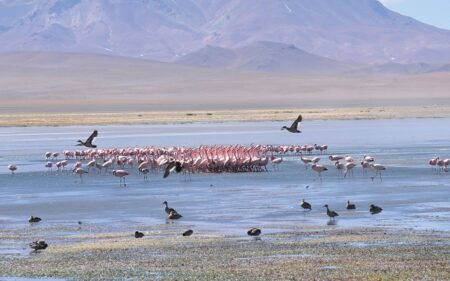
434 12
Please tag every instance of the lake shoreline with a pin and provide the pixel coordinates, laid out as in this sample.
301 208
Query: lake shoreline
299 253
219 116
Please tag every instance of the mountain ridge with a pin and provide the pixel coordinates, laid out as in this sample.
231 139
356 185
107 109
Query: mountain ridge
353 31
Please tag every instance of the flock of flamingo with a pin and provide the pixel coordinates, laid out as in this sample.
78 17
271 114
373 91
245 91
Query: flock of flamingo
208 159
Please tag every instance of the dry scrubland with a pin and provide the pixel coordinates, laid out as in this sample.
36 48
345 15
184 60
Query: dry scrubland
63 89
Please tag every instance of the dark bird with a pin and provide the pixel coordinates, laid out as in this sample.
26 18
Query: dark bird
167 209
88 142
294 127
138 234
173 166
254 231
38 245
331 214
305 205
188 232
350 206
375 209
34 219
174 216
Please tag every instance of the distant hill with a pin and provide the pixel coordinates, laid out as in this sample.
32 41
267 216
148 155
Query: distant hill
264 56
355 31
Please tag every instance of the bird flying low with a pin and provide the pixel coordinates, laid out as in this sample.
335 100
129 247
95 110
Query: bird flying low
173 166
88 142
294 127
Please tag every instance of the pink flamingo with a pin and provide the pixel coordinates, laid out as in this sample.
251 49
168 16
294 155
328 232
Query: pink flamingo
433 162
12 168
339 166
48 155
319 169
49 166
276 161
335 158
368 158
349 159
365 165
121 174
80 171
440 165
378 168
446 164
349 167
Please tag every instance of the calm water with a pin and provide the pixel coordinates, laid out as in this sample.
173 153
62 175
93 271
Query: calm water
410 193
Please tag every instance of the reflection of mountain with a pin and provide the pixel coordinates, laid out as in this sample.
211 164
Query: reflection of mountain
361 31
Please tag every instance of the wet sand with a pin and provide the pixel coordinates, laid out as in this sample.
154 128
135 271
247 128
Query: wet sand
302 253
165 117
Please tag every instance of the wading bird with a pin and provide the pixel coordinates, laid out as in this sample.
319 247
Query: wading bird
254 231
305 205
375 209
34 219
171 213
121 174
350 206
331 214
38 245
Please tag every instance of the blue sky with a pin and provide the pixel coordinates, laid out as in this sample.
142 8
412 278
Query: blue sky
434 12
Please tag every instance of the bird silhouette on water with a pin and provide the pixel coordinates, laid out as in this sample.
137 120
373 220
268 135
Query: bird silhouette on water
34 219
138 234
331 214
88 142
350 206
173 166
171 213
375 209
305 205
188 232
254 231
294 127
38 245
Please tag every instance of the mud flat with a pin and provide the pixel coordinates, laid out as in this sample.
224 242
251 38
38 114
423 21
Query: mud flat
320 253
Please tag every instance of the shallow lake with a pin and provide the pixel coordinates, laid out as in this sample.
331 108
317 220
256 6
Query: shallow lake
410 192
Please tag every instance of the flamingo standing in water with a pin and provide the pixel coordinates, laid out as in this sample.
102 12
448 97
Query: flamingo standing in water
433 162
305 161
121 174
276 161
446 164
349 168
378 168
12 168
319 169
49 166
340 167
80 171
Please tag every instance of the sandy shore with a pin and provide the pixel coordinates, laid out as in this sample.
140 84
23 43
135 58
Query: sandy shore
319 253
101 118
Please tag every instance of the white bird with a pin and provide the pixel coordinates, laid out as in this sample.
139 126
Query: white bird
335 158
319 169
80 171
349 167
378 168
121 174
